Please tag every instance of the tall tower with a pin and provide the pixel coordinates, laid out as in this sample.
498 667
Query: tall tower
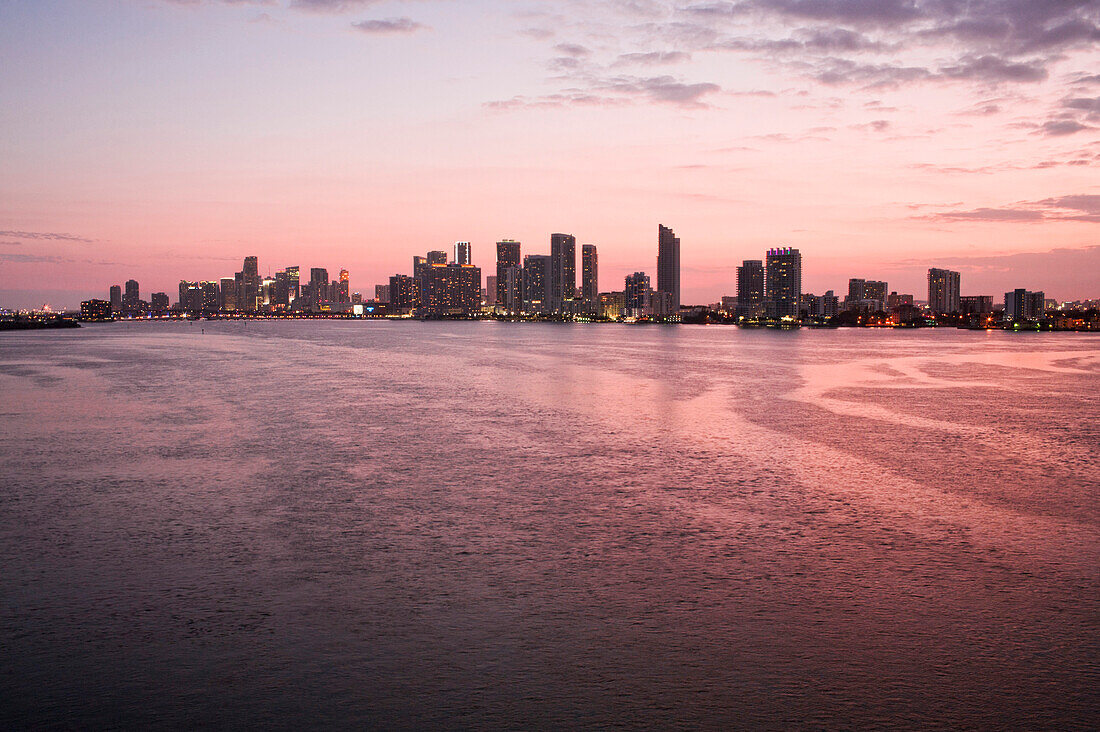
590 288
750 288
343 293
116 298
462 252
507 256
943 290
133 294
668 265
783 284
563 270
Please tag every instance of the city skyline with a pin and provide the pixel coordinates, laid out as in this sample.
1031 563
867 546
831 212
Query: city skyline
876 137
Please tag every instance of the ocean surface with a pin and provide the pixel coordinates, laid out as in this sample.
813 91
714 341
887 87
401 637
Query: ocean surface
463 525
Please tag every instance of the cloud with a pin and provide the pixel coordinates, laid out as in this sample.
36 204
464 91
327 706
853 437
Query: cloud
388 26
1078 207
331 6
653 58
1062 127
572 49
46 235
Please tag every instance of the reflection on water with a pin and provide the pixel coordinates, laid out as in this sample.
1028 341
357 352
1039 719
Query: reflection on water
507 525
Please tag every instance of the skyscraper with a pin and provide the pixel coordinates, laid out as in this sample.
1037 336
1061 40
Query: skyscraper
636 294
563 270
750 288
668 265
343 293
382 293
783 282
404 292
462 252
293 284
132 296
450 289
590 287
227 295
319 289
250 283
537 277
437 256
943 290
116 298
507 257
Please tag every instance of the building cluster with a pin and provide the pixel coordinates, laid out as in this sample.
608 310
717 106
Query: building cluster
545 286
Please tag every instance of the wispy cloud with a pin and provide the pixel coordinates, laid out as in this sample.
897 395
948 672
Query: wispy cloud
46 235
1080 207
388 26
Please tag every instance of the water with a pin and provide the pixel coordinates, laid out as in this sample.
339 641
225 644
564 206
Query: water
469 525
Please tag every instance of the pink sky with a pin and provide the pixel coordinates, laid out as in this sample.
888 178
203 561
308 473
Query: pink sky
166 140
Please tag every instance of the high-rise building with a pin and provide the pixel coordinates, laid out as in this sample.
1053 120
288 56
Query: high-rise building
590 277
132 296
437 256
449 290
404 292
116 299
319 290
382 293
563 270
783 282
343 287
636 294
293 285
750 288
249 299
208 299
507 257
158 301
1021 304
943 290
537 278
462 252
894 300
227 294
512 290
875 290
491 290
976 304
668 265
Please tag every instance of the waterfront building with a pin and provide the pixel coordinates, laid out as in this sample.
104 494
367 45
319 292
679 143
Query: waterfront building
976 304
668 265
1021 304
590 288
750 289
636 295
343 288
382 293
563 270
116 299
227 294
462 252
293 285
943 291
450 290
783 282
864 294
190 296
208 296
490 293
507 256
319 291
132 296
95 310
612 304
249 298
158 301
437 256
537 278
404 294
894 300
511 291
